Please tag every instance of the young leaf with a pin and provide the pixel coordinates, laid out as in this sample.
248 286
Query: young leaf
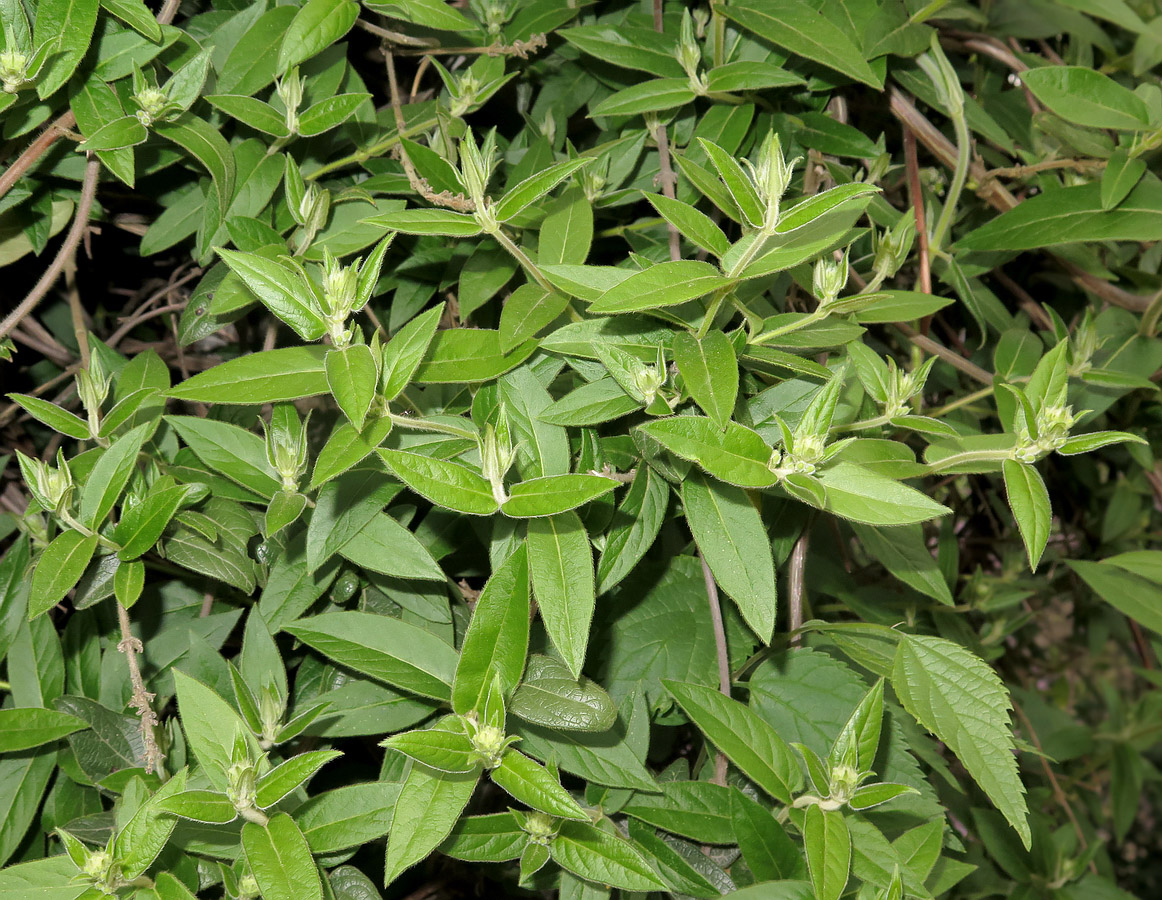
428 806
554 494
599 856
21 729
278 855
60 566
663 284
561 566
388 649
497 639
317 25
733 540
530 783
269 376
352 376
446 484
827 843
1029 501
748 741
710 370
738 455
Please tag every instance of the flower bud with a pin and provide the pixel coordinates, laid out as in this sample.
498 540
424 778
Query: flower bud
688 53
290 90
1082 346
540 827
844 781
153 102
93 388
248 888
286 447
891 247
464 91
476 165
52 488
241 785
829 278
489 742
772 177
13 69
271 708
497 455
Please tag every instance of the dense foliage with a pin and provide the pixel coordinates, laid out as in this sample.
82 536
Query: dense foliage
610 448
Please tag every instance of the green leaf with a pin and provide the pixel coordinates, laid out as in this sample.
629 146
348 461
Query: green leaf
733 540
1084 96
552 697
204 142
126 131
317 25
141 526
467 355
346 448
627 46
599 856
497 638
1071 215
530 783
647 96
53 416
1095 440
269 376
405 351
542 448
352 376
901 306
749 75
1029 501
738 455
281 288
828 845
278 856
385 546
492 838
591 404
763 842
136 15
41 879
536 186
330 113
527 311
289 774
21 729
663 284
347 816
1120 176
141 840
639 519
238 454
561 566
428 807
446 484
110 475
748 741
388 649
710 370
903 552
428 13
858 493
698 810
1127 592
69 25
695 226
797 26
961 700
428 221
554 494
444 746
251 111
210 807
212 728
58 569
565 236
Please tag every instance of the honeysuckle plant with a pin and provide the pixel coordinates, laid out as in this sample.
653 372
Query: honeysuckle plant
612 450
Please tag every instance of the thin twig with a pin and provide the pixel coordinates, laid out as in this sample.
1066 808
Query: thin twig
64 254
926 343
917 194
420 185
35 150
141 699
720 652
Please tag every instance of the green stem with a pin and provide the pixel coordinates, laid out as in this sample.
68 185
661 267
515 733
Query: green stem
863 425
360 156
429 425
968 456
961 401
963 157
521 257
